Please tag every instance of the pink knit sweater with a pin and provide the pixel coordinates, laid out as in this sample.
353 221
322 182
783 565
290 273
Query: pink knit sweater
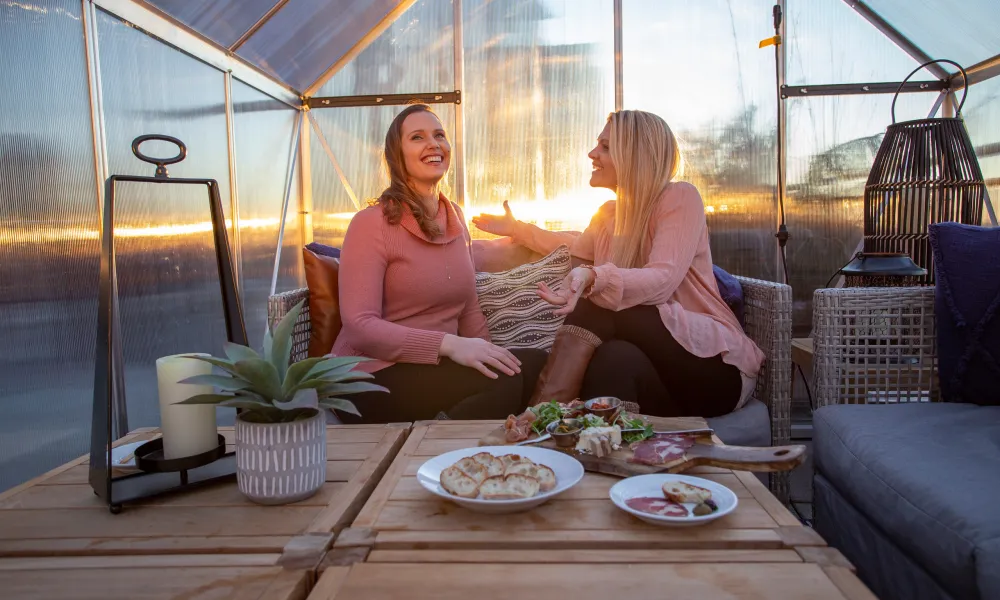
403 292
677 277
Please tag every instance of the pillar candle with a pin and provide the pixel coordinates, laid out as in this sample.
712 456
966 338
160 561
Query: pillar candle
188 429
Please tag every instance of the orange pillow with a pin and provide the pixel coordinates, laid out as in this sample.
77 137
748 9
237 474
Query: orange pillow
324 302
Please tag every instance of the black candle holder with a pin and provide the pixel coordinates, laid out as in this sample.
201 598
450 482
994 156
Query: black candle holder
158 475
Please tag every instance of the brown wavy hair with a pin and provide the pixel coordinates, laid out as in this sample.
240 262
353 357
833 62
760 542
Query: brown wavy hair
400 193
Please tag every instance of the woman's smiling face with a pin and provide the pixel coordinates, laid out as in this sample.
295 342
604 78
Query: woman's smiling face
604 174
426 151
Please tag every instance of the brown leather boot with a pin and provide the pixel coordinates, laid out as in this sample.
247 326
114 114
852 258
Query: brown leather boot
562 376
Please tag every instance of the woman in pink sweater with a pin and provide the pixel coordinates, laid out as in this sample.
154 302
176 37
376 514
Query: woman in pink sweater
409 297
647 323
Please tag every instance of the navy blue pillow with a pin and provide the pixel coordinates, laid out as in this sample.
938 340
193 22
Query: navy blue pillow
966 303
732 292
323 250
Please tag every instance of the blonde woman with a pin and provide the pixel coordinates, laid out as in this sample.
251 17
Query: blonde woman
645 321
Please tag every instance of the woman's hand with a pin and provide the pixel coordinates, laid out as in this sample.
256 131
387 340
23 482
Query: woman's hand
573 286
480 355
497 224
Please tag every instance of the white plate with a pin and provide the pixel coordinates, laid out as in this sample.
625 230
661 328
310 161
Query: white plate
125 451
652 486
567 469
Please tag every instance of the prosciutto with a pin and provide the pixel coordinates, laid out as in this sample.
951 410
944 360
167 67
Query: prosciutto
657 506
518 428
661 449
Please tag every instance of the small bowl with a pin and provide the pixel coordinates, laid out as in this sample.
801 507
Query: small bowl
565 440
608 414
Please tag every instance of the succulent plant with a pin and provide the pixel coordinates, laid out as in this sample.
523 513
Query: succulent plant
269 390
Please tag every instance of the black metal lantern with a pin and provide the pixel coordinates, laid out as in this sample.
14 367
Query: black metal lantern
925 172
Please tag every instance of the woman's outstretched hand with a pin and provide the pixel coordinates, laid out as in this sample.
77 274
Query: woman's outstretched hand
480 355
573 286
497 224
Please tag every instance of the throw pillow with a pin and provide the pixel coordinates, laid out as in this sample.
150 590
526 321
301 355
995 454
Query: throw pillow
515 315
323 250
324 303
731 291
966 307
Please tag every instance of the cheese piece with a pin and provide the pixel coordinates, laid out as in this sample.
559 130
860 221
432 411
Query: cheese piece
613 435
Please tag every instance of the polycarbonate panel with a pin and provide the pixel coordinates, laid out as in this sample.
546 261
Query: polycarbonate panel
966 32
832 144
697 65
168 281
264 129
48 241
982 119
306 37
415 54
829 42
357 138
222 21
539 84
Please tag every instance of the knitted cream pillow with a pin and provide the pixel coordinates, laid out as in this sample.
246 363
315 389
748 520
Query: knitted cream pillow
515 315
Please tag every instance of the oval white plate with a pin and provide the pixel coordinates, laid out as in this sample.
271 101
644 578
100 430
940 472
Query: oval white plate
642 486
567 469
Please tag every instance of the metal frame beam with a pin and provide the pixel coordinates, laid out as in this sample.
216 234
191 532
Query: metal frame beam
619 60
185 39
234 196
458 139
897 38
781 197
848 89
256 26
358 48
385 100
978 73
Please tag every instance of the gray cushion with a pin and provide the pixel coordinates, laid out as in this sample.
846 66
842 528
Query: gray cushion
748 426
928 476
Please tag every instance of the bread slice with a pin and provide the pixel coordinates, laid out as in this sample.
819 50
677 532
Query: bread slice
545 476
492 464
509 487
455 482
473 469
509 459
495 488
685 492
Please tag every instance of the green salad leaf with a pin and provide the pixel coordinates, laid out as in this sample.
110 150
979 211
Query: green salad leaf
545 414
632 437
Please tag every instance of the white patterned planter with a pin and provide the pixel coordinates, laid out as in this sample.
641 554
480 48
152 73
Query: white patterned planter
278 463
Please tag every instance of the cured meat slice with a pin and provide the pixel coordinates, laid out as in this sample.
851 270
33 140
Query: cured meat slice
657 506
661 449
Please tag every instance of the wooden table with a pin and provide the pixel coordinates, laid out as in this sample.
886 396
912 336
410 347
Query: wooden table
402 522
599 581
58 514
243 577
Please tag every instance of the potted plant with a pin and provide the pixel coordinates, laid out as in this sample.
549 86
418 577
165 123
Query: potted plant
281 427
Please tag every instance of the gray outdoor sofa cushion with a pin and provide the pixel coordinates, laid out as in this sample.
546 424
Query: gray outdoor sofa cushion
928 476
748 426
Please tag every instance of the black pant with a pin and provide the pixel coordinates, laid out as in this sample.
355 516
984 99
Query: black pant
639 361
420 392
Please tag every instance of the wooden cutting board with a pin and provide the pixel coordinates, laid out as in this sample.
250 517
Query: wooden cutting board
702 451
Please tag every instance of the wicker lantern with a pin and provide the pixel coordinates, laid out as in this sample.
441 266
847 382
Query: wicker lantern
925 172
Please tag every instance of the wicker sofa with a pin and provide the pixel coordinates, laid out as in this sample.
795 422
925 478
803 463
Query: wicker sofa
887 452
768 321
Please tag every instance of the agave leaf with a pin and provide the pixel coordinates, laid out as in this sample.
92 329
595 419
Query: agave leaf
339 404
226 384
297 373
336 363
237 352
262 375
245 403
302 399
268 343
226 365
206 399
281 348
357 387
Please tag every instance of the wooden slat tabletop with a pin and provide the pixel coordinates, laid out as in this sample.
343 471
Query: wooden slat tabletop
235 577
597 581
401 515
58 514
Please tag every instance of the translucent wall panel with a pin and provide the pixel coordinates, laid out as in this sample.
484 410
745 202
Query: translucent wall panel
829 42
415 54
264 130
966 31
982 119
306 37
539 84
168 279
356 137
832 143
697 65
223 21
48 240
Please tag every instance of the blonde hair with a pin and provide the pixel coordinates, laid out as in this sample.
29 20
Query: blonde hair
646 158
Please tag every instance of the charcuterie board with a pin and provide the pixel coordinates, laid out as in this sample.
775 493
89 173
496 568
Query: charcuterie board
672 453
